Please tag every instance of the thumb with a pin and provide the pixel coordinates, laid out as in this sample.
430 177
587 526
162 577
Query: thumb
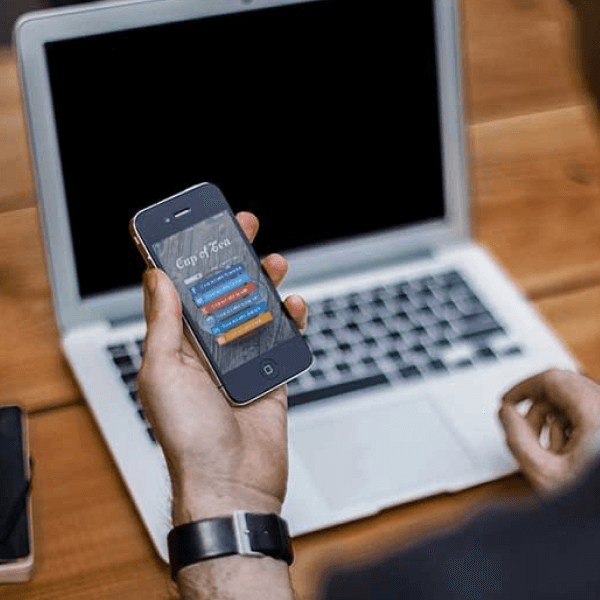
162 309
522 440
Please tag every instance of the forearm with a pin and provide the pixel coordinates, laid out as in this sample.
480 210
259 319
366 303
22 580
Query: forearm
236 578
231 577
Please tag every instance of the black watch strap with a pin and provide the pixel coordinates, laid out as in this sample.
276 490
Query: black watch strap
248 534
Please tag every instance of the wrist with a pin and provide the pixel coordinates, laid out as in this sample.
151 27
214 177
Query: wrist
192 502
226 555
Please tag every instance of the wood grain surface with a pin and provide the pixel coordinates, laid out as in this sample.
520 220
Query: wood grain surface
16 182
537 190
519 57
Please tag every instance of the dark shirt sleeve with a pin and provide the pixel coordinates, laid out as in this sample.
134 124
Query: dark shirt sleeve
587 44
548 551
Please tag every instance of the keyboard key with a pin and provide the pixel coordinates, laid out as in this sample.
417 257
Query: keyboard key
130 380
293 383
450 306
473 306
317 373
418 331
452 279
402 316
442 343
327 304
419 349
338 389
485 332
394 355
118 350
477 317
410 372
512 351
464 363
437 365
124 362
485 354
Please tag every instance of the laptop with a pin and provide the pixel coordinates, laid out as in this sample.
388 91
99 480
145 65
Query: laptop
345 135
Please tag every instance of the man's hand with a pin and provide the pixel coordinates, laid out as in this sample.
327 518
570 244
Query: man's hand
221 458
567 405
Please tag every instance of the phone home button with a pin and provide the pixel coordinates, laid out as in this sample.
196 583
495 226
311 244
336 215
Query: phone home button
269 369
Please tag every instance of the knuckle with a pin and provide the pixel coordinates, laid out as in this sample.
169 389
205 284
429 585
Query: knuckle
553 373
555 377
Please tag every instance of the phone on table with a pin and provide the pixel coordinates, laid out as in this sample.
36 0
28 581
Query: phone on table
233 314
16 533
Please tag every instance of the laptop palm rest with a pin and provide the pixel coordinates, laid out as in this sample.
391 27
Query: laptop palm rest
387 448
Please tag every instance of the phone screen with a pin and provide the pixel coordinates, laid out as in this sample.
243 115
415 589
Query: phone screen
14 530
225 293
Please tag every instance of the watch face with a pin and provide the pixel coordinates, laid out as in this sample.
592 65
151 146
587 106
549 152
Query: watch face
247 534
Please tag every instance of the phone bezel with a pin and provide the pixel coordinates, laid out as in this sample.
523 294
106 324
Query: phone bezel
157 222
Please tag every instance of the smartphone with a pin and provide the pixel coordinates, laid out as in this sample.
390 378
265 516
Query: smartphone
16 533
233 314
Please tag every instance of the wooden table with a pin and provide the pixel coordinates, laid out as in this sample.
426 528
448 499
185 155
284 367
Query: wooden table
535 160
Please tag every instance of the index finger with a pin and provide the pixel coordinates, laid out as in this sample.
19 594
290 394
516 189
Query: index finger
249 224
562 390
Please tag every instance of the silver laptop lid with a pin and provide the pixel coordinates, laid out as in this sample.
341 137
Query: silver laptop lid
325 117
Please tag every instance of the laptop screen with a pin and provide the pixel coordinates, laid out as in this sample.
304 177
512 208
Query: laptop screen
320 117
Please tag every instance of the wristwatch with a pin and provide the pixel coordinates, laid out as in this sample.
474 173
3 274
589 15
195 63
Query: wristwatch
248 534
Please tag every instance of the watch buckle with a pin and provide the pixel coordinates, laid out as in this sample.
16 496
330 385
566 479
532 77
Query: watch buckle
242 534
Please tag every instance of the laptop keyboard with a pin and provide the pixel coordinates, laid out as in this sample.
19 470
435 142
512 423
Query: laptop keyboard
127 357
414 329
417 328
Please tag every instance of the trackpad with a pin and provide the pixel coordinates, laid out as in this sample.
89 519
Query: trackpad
392 449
